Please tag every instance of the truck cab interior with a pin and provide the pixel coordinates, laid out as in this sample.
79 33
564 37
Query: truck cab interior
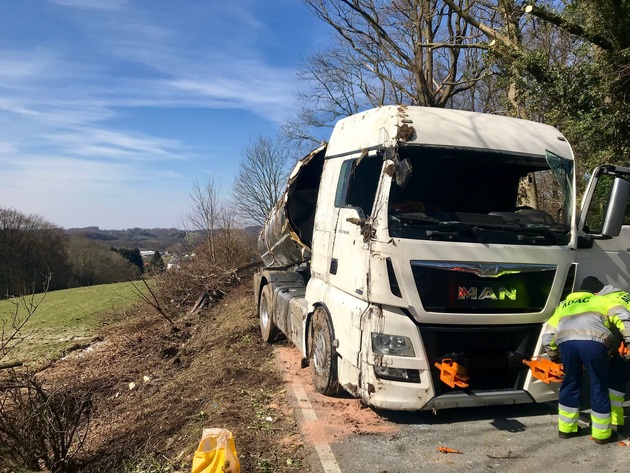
472 195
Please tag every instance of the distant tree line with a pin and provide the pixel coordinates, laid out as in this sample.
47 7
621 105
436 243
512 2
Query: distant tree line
32 250
156 238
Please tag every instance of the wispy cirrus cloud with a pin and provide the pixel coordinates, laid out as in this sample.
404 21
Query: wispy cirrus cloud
105 143
94 105
92 4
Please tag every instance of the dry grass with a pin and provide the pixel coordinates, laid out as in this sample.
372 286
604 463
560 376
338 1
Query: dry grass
158 385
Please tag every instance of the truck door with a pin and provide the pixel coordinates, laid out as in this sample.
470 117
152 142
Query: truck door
354 201
604 228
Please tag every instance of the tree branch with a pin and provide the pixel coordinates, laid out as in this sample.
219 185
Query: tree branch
569 27
512 50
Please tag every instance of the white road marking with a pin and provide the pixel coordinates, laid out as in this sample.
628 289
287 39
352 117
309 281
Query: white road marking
324 452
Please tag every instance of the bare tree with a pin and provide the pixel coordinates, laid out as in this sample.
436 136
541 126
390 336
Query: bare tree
204 214
403 51
502 23
235 247
260 180
483 55
42 426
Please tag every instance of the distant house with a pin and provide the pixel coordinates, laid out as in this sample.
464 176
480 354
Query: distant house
173 263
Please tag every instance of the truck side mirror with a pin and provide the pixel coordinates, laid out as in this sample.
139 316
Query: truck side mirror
617 206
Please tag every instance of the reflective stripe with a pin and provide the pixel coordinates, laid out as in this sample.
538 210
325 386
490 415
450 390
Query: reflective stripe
600 434
582 334
568 420
602 416
616 394
616 404
598 426
567 428
569 410
587 313
601 425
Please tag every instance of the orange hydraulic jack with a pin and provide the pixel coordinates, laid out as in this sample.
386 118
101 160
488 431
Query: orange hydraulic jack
452 373
545 370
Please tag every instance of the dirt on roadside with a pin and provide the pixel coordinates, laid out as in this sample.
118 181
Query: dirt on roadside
155 386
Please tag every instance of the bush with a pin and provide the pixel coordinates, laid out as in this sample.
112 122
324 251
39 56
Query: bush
41 427
202 277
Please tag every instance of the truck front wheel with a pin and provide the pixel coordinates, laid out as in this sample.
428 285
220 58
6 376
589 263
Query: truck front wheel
268 329
323 356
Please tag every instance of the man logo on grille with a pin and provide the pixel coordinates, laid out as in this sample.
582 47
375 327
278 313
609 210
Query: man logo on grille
486 293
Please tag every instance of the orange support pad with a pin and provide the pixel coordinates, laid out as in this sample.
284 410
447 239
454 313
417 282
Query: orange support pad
545 370
452 373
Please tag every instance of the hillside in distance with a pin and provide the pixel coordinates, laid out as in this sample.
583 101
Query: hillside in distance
156 239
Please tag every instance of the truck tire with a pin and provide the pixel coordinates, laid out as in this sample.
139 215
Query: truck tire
323 356
268 329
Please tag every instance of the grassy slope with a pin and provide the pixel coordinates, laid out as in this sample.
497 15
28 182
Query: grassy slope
66 319
212 370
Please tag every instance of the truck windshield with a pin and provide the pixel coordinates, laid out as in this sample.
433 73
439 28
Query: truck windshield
482 196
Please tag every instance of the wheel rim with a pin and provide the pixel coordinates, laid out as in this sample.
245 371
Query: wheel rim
264 313
320 352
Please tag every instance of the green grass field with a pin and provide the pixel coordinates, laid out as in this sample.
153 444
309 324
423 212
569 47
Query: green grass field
65 319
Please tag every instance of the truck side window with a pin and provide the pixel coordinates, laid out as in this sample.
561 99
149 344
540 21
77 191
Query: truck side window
357 184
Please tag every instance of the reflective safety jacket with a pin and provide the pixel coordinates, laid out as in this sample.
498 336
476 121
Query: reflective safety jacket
586 316
622 298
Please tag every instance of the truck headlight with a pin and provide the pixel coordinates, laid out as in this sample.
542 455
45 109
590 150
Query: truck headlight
395 345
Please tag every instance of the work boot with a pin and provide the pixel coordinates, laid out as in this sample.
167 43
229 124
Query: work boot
570 435
620 429
613 438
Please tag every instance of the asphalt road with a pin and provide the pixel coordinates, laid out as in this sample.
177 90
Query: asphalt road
514 439
345 437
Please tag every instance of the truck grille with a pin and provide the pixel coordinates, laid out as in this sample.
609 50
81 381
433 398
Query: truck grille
492 355
482 288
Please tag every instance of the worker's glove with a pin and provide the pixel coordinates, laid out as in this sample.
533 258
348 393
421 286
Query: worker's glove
625 352
553 355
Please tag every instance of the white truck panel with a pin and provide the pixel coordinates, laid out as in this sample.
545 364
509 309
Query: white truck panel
473 278
446 127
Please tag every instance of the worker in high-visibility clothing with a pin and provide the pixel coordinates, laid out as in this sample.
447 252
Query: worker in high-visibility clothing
618 377
619 369
578 334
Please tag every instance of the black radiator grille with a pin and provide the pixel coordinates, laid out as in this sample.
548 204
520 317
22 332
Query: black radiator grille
492 355
468 287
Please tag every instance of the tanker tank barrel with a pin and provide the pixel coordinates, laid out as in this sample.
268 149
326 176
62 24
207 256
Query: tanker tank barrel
285 239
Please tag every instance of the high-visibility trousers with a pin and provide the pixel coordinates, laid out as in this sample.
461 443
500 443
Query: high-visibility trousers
617 381
576 355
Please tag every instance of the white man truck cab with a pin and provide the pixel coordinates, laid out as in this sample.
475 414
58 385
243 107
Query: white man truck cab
421 236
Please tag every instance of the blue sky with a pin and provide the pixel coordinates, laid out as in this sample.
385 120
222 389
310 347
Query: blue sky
110 108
